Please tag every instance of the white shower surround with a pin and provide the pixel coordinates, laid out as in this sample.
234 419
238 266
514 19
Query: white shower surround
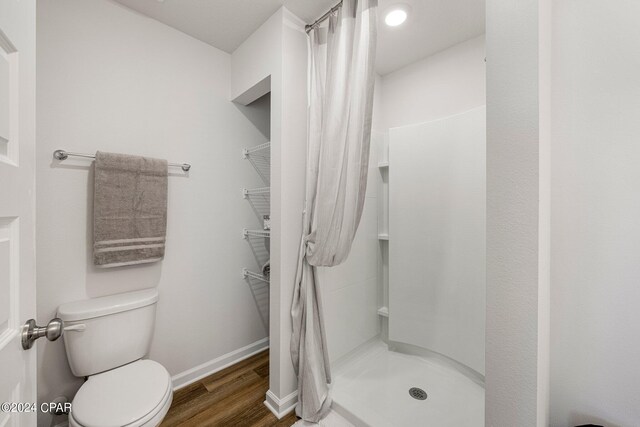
437 220
408 96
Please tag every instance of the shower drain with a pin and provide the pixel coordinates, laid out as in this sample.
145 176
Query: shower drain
418 393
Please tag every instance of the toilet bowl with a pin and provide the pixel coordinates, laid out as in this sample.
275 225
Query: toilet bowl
106 339
137 394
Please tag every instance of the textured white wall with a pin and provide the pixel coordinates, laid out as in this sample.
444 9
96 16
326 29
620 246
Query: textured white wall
517 247
110 79
595 321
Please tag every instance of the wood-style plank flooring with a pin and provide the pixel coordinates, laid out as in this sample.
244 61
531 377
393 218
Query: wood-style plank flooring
231 397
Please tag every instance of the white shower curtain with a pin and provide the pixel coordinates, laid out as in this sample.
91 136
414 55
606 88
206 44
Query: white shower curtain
341 81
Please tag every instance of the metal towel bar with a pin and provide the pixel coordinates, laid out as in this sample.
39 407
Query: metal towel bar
63 155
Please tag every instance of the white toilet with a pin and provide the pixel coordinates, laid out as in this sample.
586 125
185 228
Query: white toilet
106 339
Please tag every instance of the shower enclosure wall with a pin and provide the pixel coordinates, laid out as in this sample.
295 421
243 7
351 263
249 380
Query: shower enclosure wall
416 330
437 253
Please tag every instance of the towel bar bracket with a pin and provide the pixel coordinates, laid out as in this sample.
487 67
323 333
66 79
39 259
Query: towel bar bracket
60 155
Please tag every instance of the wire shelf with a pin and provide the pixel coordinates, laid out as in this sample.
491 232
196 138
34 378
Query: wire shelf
250 274
249 192
255 233
260 158
257 149
259 199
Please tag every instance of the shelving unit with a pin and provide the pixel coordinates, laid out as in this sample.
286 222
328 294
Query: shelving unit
383 231
259 199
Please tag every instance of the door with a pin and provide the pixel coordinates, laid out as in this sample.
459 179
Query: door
17 205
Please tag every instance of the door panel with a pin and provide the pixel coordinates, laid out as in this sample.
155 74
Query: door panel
17 205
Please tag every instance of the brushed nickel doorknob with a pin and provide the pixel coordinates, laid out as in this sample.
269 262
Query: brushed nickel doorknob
31 331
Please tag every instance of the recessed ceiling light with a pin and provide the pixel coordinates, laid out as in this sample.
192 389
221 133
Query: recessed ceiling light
395 16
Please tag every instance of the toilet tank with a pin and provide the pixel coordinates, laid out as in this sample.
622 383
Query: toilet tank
108 332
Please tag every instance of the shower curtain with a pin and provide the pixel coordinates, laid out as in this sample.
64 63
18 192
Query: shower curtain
341 81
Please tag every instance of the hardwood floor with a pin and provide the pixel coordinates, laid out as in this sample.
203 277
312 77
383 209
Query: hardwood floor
231 397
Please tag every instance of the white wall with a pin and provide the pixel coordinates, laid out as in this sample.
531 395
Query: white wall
289 171
441 85
595 210
517 244
275 57
110 79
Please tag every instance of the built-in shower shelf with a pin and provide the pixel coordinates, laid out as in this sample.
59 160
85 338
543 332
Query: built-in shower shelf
255 233
258 149
383 236
248 192
383 311
250 274
383 165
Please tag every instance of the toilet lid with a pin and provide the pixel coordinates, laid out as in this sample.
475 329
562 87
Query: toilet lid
121 396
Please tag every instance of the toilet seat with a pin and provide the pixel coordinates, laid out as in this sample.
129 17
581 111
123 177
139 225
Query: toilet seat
134 395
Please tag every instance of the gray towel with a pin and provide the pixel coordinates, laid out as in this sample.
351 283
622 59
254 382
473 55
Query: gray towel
129 209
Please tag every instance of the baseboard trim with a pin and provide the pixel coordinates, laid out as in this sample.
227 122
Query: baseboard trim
281 407
192 375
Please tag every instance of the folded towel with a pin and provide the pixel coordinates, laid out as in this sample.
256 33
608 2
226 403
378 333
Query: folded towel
266 269
129 209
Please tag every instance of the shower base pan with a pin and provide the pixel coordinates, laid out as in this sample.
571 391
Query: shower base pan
376 387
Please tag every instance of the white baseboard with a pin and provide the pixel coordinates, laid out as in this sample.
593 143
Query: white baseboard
192 375
281 407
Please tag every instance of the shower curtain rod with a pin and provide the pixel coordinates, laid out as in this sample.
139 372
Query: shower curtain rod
318 21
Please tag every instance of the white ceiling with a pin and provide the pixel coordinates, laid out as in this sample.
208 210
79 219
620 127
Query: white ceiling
433 25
